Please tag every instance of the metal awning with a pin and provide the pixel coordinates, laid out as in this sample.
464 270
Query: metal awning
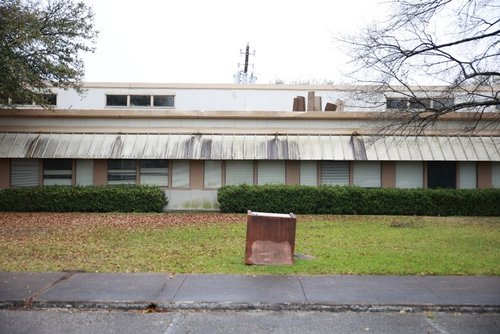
248 147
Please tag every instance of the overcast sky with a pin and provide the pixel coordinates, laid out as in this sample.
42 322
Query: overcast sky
197 41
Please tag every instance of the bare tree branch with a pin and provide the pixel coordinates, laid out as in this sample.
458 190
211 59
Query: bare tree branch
453 44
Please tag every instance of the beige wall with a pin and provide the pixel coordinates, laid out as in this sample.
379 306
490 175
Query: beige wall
292 172
100 172
196 174
4 173
484 175
388 174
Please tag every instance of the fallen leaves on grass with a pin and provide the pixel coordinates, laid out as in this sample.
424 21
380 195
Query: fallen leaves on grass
20 224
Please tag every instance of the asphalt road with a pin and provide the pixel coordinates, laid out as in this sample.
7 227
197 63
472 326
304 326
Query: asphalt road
72 321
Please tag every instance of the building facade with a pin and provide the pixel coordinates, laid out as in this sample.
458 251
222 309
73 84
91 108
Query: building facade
191 139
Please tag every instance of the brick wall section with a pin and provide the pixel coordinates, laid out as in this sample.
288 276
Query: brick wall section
4 173
484 175
292 172
388 174
100 172
196 174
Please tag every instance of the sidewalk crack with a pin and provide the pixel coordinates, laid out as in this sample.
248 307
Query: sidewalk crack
303 291
29 302
428 288
179 288
168 277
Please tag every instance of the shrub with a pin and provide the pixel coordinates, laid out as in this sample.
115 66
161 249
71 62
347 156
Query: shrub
355 200
83 199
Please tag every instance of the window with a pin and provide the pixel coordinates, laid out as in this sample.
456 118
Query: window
399 104
335 173
467 175
25 173
49 99
84 172
159 101
154 172
116 100
212 174
271 172
140 100
180 174
239 172
163 101
309 173
366 174
45 99
57 172
420 103
441 174
409 174
22 101
443 103
121 172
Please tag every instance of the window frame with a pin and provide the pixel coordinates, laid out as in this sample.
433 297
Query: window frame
45 172
133 163
271 165
390 100
444 103
252 175
151 98
32 103
338 165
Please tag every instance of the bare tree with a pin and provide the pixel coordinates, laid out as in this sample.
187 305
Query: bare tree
452 45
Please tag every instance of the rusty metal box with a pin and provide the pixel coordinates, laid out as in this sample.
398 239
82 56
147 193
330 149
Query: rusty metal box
270 238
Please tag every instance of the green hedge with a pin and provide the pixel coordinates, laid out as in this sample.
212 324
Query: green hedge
83 199
355 200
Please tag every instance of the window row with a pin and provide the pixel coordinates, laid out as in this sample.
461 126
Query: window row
216 173
424 103
45 99
140 100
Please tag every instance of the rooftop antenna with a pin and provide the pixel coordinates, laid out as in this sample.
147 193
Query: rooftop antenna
242 76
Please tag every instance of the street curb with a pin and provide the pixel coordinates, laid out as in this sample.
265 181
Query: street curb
244 306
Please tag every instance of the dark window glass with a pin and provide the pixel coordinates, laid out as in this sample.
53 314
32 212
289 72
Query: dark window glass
22 101
441 174
140 100
420 103
57 172
443 103
154 163
397 104
121 172
49 99
57 164
116 100
163 101
154 172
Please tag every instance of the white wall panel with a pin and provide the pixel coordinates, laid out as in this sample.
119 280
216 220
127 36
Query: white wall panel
409 174
271 172
367 174
467 175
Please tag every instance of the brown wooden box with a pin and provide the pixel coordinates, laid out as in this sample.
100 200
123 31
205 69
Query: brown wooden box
270 238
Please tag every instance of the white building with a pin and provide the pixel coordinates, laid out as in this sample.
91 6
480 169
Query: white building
191 139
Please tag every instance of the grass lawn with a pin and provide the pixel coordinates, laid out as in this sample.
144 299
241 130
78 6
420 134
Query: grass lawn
214 243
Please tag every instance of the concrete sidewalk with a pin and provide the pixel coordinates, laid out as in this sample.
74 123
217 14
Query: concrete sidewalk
239 292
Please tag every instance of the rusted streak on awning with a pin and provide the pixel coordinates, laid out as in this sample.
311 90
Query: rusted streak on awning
245 147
